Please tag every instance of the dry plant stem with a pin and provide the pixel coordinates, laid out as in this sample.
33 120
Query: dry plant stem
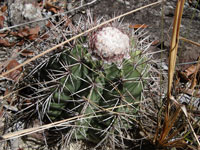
172 135
175 143
77 36
174 46
54 124
169 121
189 41
168 126
186 114
172 61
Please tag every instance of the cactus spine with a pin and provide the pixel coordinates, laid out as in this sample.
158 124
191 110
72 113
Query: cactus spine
103 81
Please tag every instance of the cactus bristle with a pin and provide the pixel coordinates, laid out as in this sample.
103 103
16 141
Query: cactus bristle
105 92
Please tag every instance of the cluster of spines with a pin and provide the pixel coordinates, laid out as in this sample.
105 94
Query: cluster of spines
105 92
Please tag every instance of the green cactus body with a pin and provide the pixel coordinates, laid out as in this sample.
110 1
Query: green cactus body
95 88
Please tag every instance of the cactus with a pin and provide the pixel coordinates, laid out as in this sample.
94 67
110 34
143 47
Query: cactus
104 81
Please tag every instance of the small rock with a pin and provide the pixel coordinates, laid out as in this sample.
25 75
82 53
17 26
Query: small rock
22 11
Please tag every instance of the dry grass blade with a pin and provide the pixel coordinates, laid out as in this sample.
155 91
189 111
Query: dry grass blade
169 121
51 125
168 126
172 135
189 41
186 114
75 37
174 44
176 143
173 54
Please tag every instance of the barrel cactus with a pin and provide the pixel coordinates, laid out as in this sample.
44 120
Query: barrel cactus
100 79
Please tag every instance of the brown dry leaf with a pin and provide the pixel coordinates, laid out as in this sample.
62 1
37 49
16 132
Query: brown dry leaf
23 33
6 43
26 53
195 93
183 77
29 33
1 112
52 8
155 42
32 37
49 24
191 70
8 99
20 43
52 1
136 26
13 33
194 83
3 8
48 6
35 30
44 37
68 22
2 19
3 34
194 80
27 101
14 75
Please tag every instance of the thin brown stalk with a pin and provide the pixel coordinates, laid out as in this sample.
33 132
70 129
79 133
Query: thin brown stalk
169 121
189 41
176 143
173 134
168 125
174 48
186 114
